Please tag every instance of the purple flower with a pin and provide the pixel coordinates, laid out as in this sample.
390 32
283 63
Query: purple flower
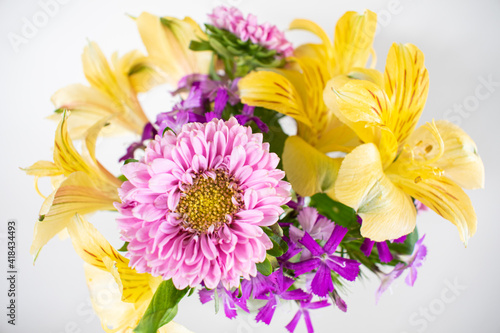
228 299
209 88
247 116
304 307
316 225
148 133
279 291
416 260
257 286
324 260
384 253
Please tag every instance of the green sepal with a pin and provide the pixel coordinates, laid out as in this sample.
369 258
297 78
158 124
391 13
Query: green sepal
130 160
124 247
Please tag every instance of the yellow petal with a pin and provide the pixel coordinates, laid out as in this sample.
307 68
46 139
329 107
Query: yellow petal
457 156
439 194
353 41
363 106
88 105
275 92
76 194
406 84
117 316
43 169
310 26
387 212
95 250
167 40
308 170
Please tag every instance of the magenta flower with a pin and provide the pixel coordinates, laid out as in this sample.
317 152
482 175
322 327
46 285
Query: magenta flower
324 261
316 225
228 299
269 36
304 307
280 285
193 207
416 260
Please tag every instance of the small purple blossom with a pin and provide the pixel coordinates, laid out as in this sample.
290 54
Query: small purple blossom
279 291
384 253
416 260
324 260
247 116
228 299
148 133
316 225
304 307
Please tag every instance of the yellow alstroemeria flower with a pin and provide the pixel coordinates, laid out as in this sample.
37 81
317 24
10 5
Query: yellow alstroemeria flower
396 162
298 92
82 184
167 41
128 293
112 92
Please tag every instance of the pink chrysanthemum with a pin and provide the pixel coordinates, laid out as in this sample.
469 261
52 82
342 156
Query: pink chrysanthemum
193 208
267 35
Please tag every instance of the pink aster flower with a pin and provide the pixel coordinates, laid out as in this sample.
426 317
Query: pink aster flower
267 35
193 207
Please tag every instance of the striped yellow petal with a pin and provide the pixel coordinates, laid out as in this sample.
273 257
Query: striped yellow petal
307 169
387 211
76 194
95 250
406 84
449 149
273 91
353 41
438 193
43 169
167 40
363 106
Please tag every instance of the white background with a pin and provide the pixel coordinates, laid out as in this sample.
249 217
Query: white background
460 42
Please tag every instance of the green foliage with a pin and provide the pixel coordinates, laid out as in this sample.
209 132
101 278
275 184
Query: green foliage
335 211
279 245
162 308
239 57
265 267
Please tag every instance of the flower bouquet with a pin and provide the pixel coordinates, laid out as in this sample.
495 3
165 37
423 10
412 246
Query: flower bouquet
218 197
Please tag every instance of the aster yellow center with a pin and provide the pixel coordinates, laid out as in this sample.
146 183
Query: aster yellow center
208 202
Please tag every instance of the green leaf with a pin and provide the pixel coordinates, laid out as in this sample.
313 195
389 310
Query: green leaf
335 211
265 267
162 308
122 178
130 160
124 247
200 45
408 245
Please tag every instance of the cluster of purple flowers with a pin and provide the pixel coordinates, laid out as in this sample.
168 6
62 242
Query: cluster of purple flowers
206 99
313 254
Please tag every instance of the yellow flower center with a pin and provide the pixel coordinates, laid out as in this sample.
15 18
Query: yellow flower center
209 202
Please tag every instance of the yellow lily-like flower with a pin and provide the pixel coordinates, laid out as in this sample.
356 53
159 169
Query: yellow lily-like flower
298 92
127 292
396 162
112 92
167 41
82 184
